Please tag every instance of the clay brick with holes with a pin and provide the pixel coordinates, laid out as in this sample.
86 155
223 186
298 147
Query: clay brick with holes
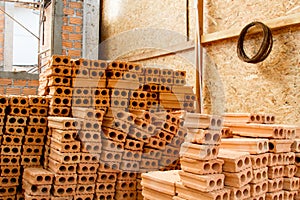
59 81
289 171
105 177
275 172
149 164
32 150
118 103
171 151
125 185
100 93
65 179
18 111
291 184
91 147
296 145
176 141
88 113
275 195
290 195
37 121
30 160
86 179
188 193
36 190
89 125
60 168
81 101
82 190
16 121
79 72
89 136
203 121
199 152
69 147
89 158
104 195
64 123
10 150
107 156
280 146
12 140
134 145
38 176
100 102
234 161
144 126
275 185
9 181
260 175
63 136
84 168
64 158
4 100
289 158
59 60
60 101
38 111
8 191
113 134
105 187
82 92
97 74
240 193
2 111
117 65
167 161
156 143
259 188
138 104
114 75
66 190
110 145
138 134
109 167
200 136
61 91
8 160
16 100
61 198
152 154
238 179
251 145
126 195
132 155
129 165
34 140
39 101
59 111
131 76
135 67
259 161
10 171
169 127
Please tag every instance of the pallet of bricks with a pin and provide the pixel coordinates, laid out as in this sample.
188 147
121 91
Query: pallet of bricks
23 127
108 122
273 150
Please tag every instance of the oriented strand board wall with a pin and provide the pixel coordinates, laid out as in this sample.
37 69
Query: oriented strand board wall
232 85
271 86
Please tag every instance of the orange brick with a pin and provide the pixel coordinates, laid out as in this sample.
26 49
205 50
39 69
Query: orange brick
77 45
33 83
2 90
20 82
74 53
75 20
29 91
75 5
78 29
79 13
68 11
15 91
67 28
67 44
65 36
5 81
75 36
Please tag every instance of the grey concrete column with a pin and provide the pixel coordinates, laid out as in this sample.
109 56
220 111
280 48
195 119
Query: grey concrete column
91 18
8 37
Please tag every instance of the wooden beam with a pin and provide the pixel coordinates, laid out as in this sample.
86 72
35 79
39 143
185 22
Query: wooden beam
273 24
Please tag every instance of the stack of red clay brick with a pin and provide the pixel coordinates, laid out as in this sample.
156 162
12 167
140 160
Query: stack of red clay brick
23 127
258 162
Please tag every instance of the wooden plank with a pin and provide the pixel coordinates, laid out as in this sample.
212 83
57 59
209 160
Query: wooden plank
273 24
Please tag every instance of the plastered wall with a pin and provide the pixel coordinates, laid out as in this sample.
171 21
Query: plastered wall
231 85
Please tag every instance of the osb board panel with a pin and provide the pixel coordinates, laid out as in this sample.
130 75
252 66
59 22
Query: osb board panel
124 15
271 86
225 14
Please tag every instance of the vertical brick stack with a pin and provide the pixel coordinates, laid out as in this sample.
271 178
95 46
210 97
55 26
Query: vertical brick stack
277 166
296 149
202 171
63 152
37 183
